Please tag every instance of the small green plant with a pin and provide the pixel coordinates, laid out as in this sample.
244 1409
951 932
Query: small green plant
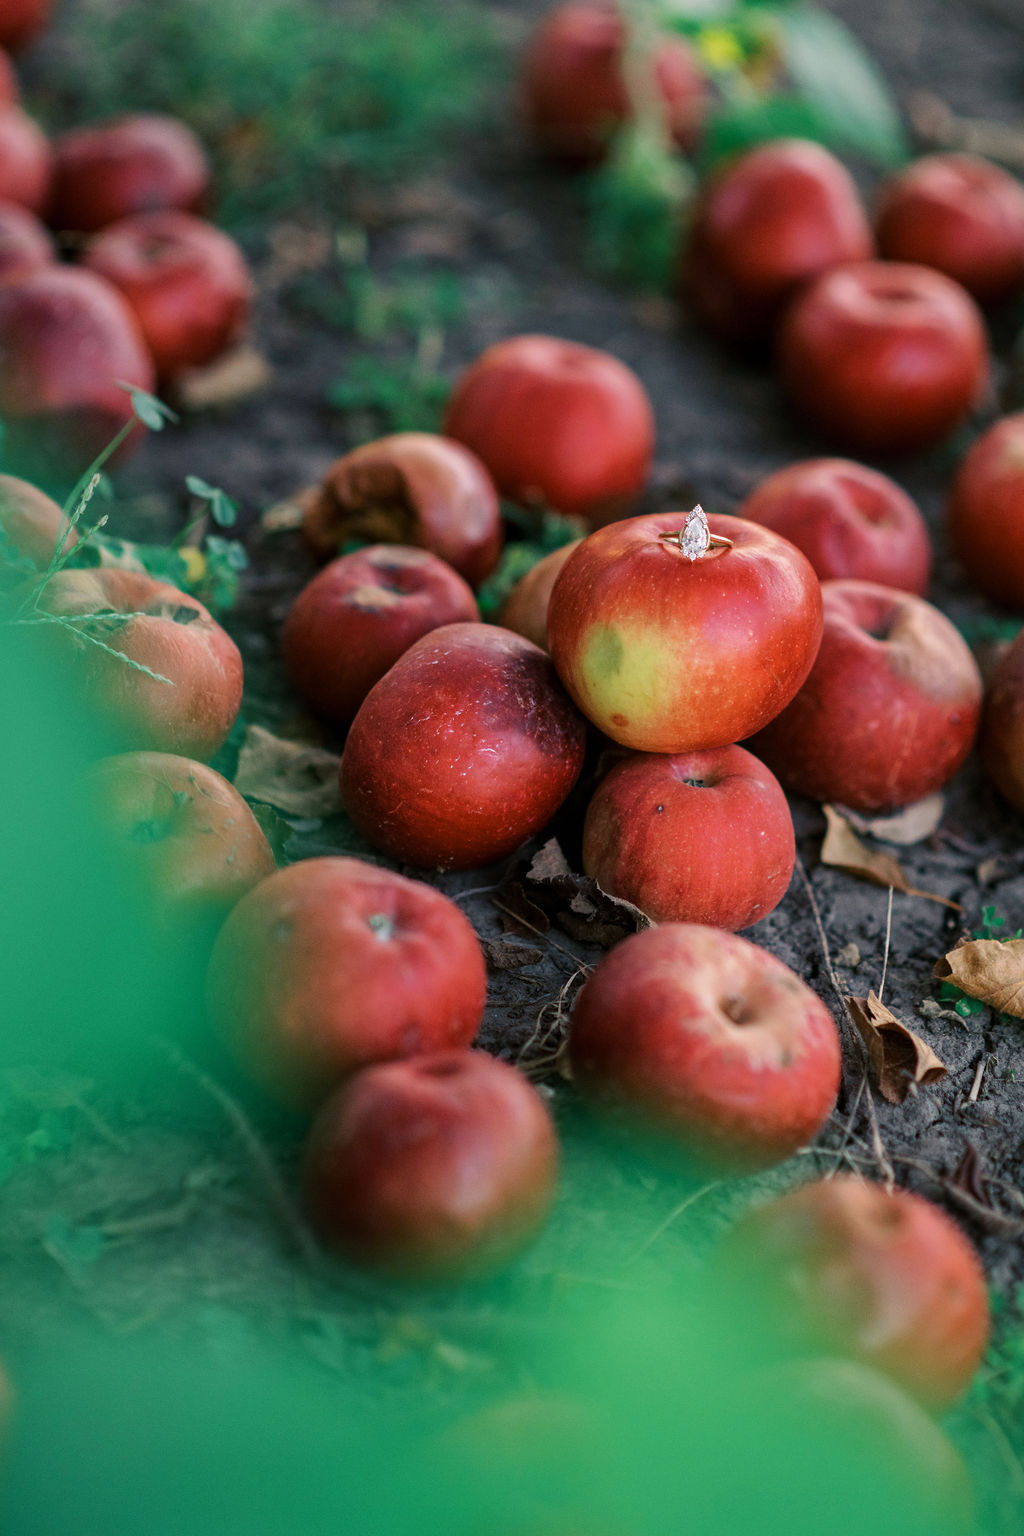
405 395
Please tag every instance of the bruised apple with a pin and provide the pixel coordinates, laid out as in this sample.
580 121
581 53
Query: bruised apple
186 283
353 621
525 609
668 654
25 244
885 1277
133 164
574 85
184 832
31 523
986 512
890 709
331 964
701 837
695 1037
161 672
26 160
440 1166
67 343
557 424
466 748
849 520
411 488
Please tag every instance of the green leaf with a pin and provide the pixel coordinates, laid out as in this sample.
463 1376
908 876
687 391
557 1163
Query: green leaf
148 409
739 125
200 487
830 70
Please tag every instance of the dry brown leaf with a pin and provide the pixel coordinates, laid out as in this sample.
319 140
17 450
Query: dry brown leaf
503 956
579 905
234 377
911 825
992 970
898 1057
289 775
843 849
290 511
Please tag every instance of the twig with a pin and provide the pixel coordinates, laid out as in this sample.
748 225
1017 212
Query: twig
972 1097
888 936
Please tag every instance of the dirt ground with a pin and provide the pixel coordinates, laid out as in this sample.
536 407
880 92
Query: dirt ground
195 1208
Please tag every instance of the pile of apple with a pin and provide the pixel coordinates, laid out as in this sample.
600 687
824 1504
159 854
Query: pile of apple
152 290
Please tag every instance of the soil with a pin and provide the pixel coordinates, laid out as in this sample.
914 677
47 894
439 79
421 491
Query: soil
200 1219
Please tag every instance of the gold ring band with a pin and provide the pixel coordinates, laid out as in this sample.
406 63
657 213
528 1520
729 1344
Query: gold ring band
695 538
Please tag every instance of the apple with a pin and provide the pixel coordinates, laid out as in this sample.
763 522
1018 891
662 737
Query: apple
331 964
574 83
466 748
884 357
67 342
186 282
26 160
849 520
25 244
432 1168
525 609
411 488
353 621
890 709
133 164
557 424
961 215
702 837
695 1037
31 523
884 1277
10 91
190 705
20 20
1001 739
184 832
665 654
986 512
763 228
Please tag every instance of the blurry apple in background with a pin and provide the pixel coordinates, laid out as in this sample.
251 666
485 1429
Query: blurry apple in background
525 609
134 164
26 160
1001 739
25 243
411 488
21 20
333 963
432 1168
32 524
353 621
557 424
466 748
848 520
186 283
10 91
986 512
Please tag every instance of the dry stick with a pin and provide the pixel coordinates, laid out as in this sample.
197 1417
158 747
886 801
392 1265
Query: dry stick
888 936
876 1135
663 1226
291 1222
577 962
976 1085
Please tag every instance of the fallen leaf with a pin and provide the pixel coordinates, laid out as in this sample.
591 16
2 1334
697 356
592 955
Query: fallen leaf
232 378
290 511
503 956
843 849
911 825
991 970
289 775
989 872
519 914
898 1057
578 904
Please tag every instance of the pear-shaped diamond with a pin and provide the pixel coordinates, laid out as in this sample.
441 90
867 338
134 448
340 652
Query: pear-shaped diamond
695 534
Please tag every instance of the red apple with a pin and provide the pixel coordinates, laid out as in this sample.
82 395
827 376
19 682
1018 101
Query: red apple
887 1278
665 654
440 1166
26 160
767 225
190 705
412 488
135 164
525 609
695 1036
890 709
575 90
706 837
331 964
883 356
20 20
25 244
10 91
986 512
354 620
557 424
466 748
962 216
184 831
31 523
67 341
1001 740
185 281
848 520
